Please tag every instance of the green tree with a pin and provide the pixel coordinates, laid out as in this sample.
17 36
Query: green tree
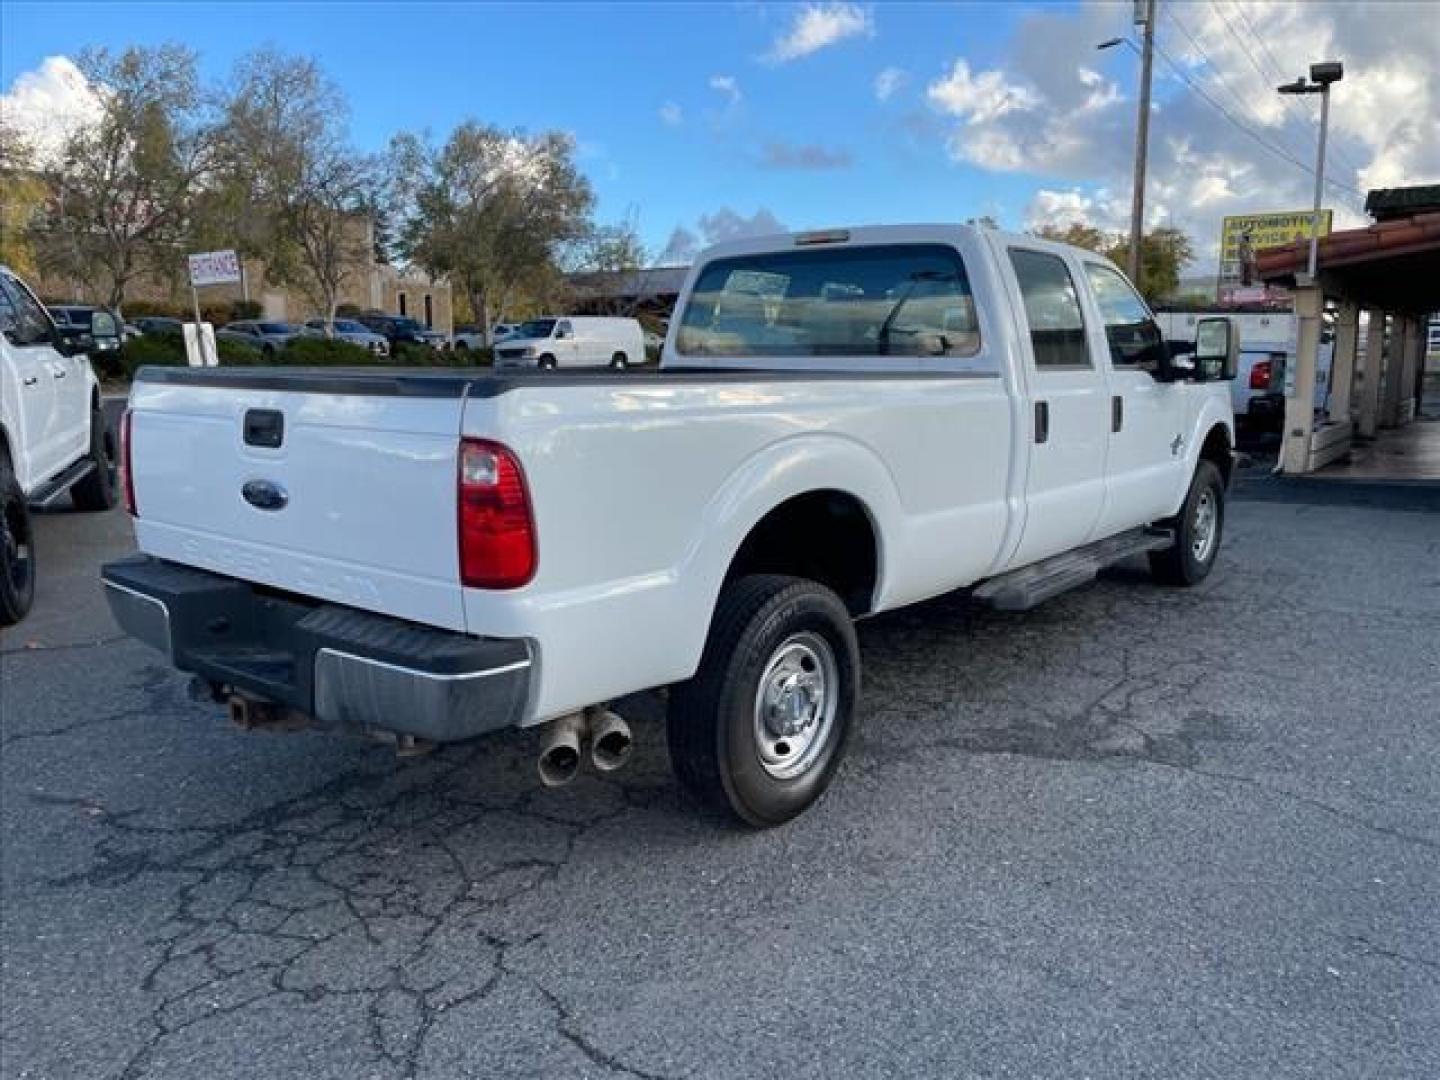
122 191
22 201
491 210
286 150
1164 253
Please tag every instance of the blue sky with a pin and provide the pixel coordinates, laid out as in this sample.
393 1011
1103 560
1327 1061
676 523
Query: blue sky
1036 126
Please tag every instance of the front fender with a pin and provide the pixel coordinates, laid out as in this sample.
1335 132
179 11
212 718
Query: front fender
1215 411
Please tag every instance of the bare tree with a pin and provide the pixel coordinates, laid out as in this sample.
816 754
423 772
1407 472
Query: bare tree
284 137
123 187
491 210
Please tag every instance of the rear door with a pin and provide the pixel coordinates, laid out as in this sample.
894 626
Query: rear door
1146 455
1069 408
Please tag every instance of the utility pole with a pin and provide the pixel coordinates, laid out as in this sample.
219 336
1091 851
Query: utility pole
1144 16
1142 138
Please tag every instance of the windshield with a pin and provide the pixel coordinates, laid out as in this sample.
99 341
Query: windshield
345 326
406 324
276 328
536 328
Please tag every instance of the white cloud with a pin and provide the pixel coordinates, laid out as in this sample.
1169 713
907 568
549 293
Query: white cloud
727 85
978 99
1051 107
889 81
817 26
671 114
45 105
724 224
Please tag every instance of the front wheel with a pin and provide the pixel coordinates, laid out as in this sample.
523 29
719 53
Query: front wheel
547 362
763 725
1198 528
17 551
619 361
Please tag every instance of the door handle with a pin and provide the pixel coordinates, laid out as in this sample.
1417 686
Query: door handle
32 380
1117 413
1042 421
59 373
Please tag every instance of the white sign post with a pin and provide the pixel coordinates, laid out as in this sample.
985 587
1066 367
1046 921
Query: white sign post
210 268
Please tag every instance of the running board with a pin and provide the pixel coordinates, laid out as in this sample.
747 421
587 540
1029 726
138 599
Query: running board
52 489
1020 590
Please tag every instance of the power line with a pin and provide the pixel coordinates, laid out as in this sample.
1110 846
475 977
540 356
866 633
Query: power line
1220 75
1307 115
1275 149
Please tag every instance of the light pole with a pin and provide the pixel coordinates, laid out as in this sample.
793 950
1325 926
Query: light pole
1142 128
1321 76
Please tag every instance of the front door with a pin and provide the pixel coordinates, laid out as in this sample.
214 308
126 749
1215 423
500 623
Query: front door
567 348
1146 457
1069 418
30 339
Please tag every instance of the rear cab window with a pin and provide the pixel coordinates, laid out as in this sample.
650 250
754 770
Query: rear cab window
1052 310
894 300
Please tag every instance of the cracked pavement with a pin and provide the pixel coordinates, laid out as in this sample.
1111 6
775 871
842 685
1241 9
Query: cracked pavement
1134 832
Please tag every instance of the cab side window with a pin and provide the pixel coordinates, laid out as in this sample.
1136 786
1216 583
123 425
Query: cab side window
31 325
1052 309
563 331
1134 339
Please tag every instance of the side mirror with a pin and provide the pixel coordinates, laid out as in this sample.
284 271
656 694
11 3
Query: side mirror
1216 349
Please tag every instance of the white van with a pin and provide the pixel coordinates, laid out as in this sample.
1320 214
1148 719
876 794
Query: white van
573 341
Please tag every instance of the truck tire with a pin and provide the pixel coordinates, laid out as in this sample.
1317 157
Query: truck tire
17 551
1198 528
760 730
97 490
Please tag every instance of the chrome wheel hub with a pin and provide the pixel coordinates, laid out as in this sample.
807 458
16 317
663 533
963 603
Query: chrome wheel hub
795 705
1205 526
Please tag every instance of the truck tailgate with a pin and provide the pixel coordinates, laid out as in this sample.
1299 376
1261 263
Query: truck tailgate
354 502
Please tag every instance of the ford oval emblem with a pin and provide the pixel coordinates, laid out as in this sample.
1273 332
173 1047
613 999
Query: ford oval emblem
265 495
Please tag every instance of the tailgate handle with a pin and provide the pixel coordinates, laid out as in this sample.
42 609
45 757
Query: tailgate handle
264 427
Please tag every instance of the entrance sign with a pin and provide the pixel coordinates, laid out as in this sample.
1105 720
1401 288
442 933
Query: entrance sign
214 268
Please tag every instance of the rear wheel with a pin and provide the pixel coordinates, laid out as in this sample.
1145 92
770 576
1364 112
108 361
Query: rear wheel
17 551
619 361
97 490
1198 528
762 727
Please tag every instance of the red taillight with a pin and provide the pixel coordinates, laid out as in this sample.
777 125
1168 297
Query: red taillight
1260 375
497 532
127 473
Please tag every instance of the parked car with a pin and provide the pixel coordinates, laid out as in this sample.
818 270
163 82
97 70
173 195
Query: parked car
268 337
52 434
573 341
403 330
474 337
843 423
95 327
160 326
348 330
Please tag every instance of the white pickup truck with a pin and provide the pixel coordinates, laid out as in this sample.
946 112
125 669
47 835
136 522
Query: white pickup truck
52 433
843 423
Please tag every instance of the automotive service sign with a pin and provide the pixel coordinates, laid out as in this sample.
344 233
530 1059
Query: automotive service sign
1242 237
214 268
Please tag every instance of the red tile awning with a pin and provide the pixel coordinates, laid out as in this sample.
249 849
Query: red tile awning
1390 264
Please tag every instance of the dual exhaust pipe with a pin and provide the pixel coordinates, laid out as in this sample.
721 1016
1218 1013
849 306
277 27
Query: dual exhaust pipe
602 732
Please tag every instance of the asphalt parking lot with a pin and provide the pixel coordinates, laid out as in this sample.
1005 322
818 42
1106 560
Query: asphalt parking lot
1133 833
